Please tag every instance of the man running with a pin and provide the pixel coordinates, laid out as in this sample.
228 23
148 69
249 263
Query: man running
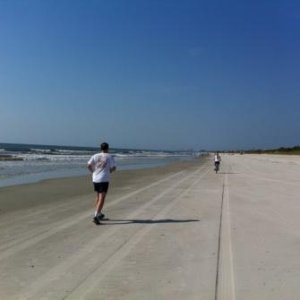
101 165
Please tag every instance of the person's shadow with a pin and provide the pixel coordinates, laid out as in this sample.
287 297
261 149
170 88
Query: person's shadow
146 221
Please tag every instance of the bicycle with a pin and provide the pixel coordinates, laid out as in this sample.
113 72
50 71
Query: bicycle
217 166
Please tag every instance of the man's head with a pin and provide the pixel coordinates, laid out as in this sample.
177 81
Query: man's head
104 147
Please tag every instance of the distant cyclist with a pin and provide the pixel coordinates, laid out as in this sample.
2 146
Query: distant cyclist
217 161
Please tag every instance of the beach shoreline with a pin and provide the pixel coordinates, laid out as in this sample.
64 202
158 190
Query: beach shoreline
21 163
24 195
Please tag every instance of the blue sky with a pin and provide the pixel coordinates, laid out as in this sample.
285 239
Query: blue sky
165 74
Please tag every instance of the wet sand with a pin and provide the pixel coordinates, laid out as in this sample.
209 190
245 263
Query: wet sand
175 232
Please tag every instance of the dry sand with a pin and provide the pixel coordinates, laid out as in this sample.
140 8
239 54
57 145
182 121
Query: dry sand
176 232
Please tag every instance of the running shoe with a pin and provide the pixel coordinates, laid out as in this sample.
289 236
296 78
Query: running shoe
101 216
96 220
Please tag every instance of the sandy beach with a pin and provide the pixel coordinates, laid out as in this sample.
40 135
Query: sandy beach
174 232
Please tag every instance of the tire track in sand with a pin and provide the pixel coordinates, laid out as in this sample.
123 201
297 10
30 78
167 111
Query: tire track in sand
88 288
225 283
35 236
45 284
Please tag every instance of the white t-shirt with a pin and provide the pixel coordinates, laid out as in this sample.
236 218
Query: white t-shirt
217 158
101 164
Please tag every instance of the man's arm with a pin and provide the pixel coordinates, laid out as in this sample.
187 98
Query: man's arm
90 167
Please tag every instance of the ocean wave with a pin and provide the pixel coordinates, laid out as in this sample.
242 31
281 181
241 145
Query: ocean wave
42 149
53 158
61 155
65 152
84 157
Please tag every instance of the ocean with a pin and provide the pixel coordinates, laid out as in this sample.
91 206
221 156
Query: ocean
25 163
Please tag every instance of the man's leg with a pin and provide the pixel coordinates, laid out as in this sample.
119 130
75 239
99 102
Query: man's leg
100 202
99 205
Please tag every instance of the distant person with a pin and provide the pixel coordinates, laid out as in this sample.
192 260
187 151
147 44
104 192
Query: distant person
101 165
217 160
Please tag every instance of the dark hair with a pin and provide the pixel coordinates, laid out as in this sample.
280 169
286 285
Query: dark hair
104 146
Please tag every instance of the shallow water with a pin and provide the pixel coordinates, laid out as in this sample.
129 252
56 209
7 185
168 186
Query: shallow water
45 162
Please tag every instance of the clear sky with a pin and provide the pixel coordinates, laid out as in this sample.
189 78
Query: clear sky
158 74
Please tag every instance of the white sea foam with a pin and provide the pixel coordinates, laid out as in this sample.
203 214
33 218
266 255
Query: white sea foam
52 158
